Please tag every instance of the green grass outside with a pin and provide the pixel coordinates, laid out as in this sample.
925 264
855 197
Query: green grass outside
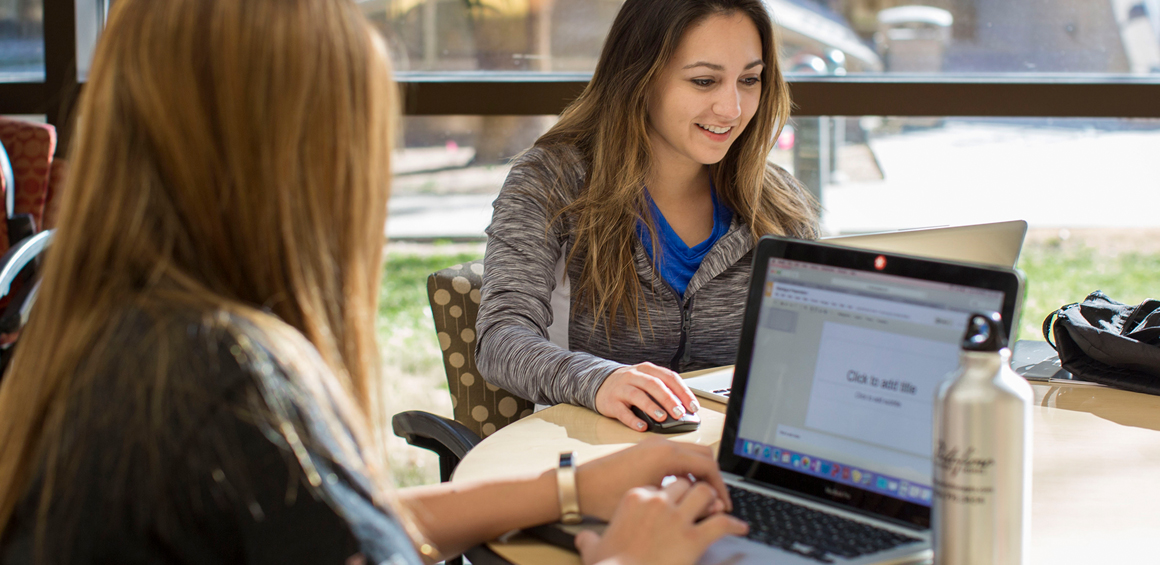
1056 274
412 361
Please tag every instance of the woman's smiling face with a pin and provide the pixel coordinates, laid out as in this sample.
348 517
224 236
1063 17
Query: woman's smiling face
707 93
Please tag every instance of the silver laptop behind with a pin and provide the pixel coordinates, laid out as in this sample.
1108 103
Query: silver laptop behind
995 244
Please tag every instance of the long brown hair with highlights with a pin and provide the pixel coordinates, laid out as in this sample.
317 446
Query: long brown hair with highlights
231 156
607 124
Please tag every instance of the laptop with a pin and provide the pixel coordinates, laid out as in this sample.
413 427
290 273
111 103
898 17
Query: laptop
997 243
827 441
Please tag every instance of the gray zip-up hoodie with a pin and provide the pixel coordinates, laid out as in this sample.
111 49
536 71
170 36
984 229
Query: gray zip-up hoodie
527 340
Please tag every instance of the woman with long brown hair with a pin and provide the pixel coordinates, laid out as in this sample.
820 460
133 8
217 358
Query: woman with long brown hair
620 244
198 381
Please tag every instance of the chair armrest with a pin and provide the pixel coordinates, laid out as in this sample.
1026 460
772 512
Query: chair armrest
19 256
449 439
15 315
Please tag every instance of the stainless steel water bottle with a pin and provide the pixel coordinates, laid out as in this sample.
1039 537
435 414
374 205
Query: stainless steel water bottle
982 454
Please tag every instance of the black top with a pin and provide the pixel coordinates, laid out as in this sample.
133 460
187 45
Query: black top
213 482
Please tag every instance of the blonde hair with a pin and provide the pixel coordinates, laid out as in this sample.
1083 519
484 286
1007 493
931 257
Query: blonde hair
231 156
607 124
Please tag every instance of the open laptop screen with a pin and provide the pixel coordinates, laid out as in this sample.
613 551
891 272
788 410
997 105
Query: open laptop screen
843 364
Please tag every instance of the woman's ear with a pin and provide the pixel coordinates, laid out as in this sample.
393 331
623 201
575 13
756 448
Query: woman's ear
647 102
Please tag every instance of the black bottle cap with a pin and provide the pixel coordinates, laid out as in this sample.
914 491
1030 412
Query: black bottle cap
984 333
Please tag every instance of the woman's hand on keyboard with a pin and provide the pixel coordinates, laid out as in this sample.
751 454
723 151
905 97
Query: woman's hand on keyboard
601 483
656 390
654 525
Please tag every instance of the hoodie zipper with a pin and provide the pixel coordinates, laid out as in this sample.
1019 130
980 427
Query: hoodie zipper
686 324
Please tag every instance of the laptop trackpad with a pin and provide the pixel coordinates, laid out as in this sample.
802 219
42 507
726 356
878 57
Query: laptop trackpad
739 551
734 550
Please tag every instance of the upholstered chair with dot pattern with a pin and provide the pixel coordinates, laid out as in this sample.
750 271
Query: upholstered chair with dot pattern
30 148
480 408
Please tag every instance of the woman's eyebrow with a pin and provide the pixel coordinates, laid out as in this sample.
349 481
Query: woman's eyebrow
716 67
713 66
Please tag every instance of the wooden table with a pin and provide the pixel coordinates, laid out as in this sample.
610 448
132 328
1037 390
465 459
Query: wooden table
1095 491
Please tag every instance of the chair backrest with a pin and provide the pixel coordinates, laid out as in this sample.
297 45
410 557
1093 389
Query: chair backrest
30 147
481 406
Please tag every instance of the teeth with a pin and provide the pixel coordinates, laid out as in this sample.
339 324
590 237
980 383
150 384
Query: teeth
713 129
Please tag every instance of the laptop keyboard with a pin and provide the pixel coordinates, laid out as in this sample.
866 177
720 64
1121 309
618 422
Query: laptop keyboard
808 532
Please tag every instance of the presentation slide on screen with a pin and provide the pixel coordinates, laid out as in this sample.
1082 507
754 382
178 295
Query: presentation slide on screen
878 387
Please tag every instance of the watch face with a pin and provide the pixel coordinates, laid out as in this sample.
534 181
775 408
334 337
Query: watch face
567 459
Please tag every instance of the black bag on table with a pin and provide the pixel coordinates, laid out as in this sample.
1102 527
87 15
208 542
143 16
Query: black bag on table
1108 342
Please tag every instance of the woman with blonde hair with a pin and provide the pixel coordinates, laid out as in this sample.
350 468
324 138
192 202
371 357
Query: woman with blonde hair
198 381
620 244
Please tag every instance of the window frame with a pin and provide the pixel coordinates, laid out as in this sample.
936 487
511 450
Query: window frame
507 93
1091 96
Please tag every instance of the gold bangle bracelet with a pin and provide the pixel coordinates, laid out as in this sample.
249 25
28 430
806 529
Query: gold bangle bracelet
566 487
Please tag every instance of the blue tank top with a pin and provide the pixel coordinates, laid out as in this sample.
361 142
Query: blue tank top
678 261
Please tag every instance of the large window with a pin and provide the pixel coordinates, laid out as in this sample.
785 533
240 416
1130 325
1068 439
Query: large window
828 37
845 59
981 91
482 79
21 41
1064 58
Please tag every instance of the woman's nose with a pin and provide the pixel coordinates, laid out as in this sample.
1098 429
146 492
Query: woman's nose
728 103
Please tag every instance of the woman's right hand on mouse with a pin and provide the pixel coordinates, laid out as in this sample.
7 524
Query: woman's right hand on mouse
653 525
656 390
